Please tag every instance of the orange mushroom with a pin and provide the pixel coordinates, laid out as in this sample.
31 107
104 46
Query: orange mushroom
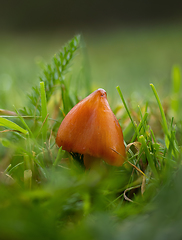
91 129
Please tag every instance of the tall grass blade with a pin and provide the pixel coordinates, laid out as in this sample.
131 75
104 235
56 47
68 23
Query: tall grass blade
164 122
59 155
43 111
125 105
149 157
176 89
24 123
28 178
141 124
7 123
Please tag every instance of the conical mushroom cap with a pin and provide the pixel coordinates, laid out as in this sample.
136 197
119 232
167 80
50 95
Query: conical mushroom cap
92 128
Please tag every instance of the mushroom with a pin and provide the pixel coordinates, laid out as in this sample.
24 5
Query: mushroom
91 129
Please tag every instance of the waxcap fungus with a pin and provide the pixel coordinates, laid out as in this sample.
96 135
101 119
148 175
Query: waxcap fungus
91 128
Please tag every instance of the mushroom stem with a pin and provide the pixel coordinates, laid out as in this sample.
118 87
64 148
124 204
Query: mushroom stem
90 161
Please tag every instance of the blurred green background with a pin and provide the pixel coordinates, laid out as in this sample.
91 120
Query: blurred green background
124 43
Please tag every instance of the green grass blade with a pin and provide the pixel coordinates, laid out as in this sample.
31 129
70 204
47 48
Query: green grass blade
13 168
24 123
60 153
141 124
28 178
128 132
124 103
142 121
176 77
31 135
43 111
164 122
149 157
9 124
176 89
153 136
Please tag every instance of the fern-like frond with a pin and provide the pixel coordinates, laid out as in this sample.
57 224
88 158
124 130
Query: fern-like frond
53 76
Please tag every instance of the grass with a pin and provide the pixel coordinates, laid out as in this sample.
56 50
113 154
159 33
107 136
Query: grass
47 194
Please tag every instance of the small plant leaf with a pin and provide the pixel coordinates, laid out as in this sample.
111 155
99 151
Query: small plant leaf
9 124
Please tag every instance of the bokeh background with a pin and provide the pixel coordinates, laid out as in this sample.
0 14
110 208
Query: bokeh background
126 43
